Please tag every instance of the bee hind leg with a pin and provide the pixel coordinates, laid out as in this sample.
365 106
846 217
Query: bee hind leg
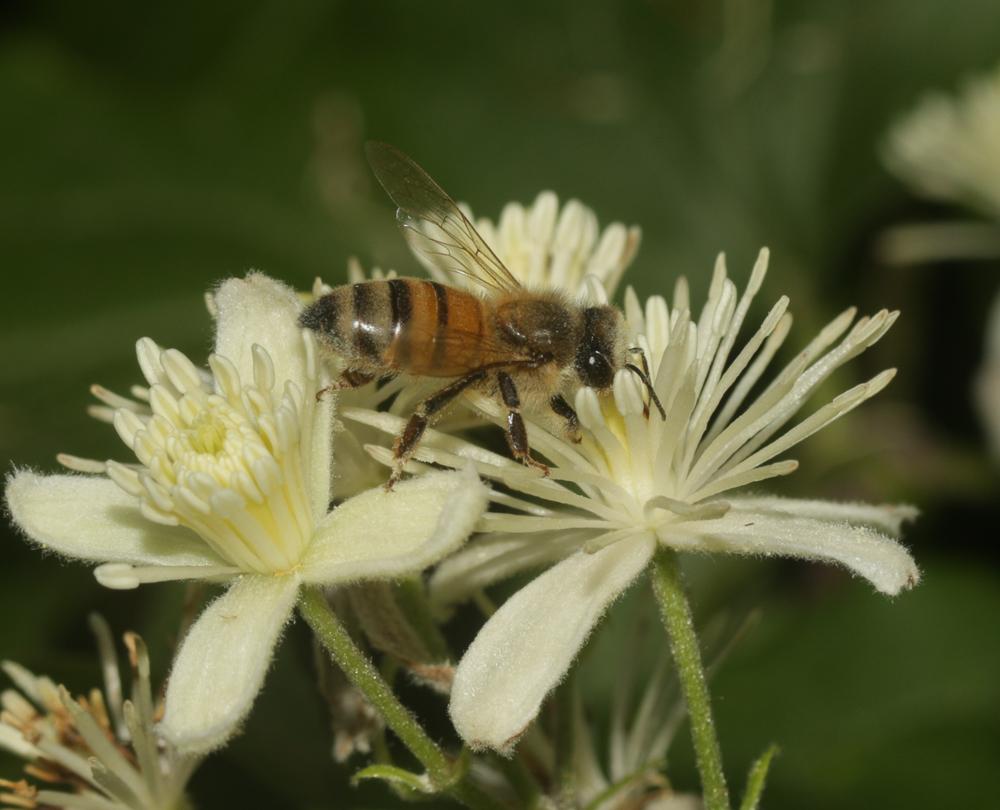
407 441
517 433
562 408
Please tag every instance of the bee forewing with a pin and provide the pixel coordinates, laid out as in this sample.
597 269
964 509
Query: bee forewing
434 226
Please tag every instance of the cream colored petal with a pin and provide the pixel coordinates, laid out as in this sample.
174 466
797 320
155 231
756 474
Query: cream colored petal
90 518
259 310
382 535
888 518
494 557
526 647
318 440
222 661
867 552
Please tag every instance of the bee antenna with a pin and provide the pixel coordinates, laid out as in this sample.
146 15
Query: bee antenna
642 375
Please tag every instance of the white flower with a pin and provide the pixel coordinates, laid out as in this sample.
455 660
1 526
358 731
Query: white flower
987 384
548 247
233 484
636 481
103 752
948 148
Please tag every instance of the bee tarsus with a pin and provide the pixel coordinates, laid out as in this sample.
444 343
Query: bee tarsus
560 407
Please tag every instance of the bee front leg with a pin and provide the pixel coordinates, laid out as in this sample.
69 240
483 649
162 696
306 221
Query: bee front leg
517 433
349 379
408 440
562 408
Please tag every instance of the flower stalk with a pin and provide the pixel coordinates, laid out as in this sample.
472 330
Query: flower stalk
444 775
676 614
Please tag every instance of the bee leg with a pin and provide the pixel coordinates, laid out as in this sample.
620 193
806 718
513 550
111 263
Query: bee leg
562 408
517 433
350 378
407 441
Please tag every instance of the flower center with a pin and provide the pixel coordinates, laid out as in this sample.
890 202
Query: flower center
228 465
207 435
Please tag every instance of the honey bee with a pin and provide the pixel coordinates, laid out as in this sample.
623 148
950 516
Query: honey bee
526 347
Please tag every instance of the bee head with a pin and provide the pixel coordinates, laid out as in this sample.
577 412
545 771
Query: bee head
600 350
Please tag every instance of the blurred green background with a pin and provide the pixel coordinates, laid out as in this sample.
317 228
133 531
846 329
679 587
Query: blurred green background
147 151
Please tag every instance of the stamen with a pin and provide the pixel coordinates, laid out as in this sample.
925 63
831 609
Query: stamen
122 576
83 465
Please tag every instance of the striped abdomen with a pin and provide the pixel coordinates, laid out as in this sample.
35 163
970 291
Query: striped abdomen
404 324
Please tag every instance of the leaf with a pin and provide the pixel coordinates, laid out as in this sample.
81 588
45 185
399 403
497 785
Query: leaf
756 779
397 777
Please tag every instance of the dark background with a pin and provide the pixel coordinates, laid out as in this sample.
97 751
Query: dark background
148 151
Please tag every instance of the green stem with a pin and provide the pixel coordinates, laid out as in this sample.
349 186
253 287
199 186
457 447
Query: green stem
676 613
362 673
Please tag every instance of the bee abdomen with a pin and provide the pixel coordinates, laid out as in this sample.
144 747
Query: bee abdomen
356 320
399 324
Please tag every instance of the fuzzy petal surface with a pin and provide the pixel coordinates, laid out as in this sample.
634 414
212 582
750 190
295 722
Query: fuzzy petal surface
527 646
865 551
222 661
259 310
382 535
90 518
888 518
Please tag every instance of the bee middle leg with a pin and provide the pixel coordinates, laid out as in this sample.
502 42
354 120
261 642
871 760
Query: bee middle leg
407 441
517 433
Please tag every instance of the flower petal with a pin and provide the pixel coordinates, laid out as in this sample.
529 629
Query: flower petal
888 518
221 664
90 518
493 557
525 648
259 310
875 556
381 535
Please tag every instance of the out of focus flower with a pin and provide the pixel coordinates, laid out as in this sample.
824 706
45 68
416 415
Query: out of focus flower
637 481
95 752
987 388
636 753
233 484
948 148
546 246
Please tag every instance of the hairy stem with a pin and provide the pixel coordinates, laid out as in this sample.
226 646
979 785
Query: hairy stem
676 614
362 673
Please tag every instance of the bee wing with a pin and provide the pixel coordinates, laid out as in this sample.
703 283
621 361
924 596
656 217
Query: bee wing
433 224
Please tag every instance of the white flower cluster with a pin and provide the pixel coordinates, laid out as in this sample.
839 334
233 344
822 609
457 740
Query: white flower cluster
241 476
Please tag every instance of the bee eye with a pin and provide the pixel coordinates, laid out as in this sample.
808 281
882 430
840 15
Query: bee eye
596 371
